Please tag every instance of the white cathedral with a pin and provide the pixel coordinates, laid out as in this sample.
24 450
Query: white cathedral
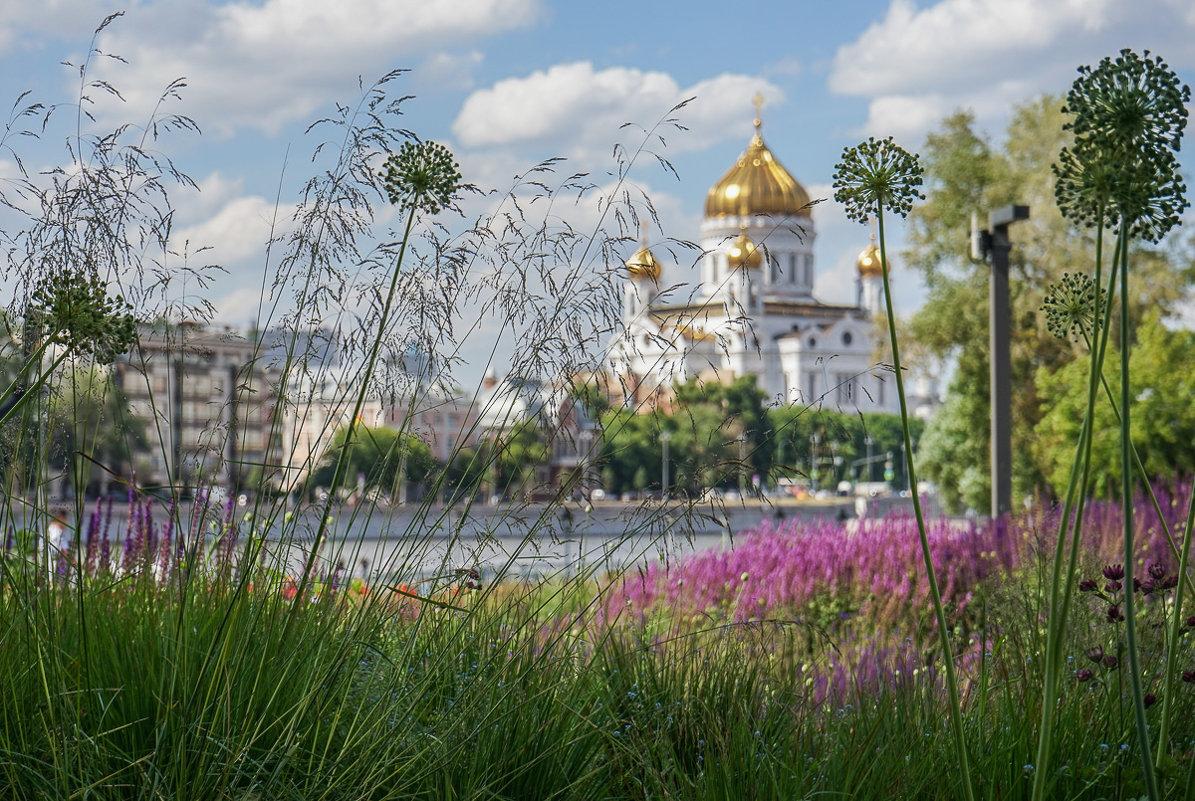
751 311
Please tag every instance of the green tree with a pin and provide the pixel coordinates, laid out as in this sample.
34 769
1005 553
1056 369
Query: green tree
966 174
626 443
742 404
516 457
375 456
91 432
1163 419
803 432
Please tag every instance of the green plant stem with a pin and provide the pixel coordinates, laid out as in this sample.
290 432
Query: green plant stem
1174 634
956 712
342 460
1126 487
1149 490
1062 584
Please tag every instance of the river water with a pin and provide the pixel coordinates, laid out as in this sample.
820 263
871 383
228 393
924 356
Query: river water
409 544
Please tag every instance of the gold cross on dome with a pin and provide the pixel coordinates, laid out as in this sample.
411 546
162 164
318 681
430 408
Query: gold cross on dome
757 101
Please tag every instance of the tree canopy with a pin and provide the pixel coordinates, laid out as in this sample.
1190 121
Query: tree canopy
967 173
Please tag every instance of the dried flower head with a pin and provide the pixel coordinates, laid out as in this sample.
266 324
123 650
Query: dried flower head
1072 307
874 175
423 175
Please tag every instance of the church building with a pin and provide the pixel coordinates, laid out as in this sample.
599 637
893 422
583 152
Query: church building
749 307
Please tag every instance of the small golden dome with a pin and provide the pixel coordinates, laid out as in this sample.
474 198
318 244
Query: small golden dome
643 264
869 261
743 253
757 184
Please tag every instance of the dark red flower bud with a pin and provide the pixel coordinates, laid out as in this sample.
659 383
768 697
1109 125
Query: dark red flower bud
1111 662
1189 676
1114 572
1095 654
1084 674
1088 585
1113 586
1157 571
1149 700
1114 614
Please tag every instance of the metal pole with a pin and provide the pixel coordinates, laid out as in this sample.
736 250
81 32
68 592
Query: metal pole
665 438
999 246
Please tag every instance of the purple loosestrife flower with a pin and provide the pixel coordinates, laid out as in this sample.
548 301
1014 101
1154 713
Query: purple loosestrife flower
91 542
127 558
166 553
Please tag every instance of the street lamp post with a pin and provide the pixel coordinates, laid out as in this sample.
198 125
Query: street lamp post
814 441
994 245
742 464
665 438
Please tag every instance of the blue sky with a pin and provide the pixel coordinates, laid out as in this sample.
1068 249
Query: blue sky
507 83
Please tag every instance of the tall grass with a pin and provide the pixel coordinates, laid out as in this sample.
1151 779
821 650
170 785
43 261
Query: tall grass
184 647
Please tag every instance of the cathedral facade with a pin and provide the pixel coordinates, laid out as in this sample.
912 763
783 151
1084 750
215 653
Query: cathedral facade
749 308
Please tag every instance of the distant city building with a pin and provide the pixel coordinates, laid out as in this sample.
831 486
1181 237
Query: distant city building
446 421
751 310
209 402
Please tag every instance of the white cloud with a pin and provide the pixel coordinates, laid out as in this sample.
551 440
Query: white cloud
263 65
63 18
449 70
959 45
918 65
236 235
578 110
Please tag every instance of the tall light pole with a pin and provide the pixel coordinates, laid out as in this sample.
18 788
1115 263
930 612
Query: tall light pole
665 438
994 245
814 441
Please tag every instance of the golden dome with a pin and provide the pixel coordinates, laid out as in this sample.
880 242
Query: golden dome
869 261
743 253
757 184
643 264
